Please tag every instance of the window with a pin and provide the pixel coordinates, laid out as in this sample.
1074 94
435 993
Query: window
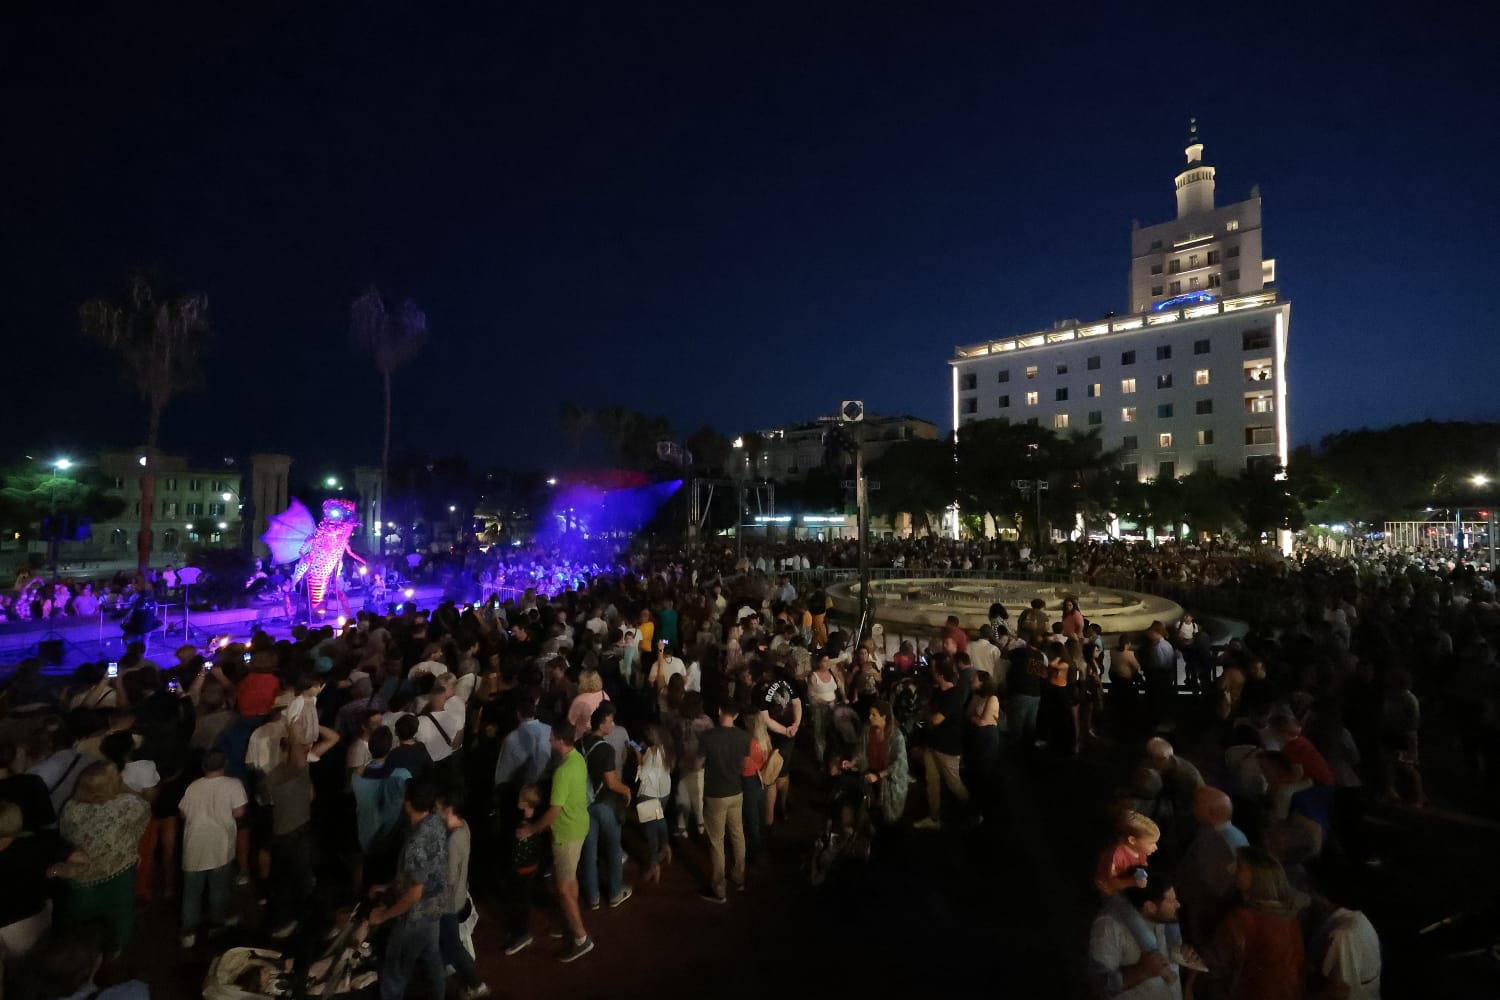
1255 340
1127 414
1164 380
170 485
1127 357
1200 377
1164 440
1127 386
1156 244
195 485
1192 282
137 508
1260 435
1213 257
1156 289
1233 274
1131 471
1093 363
1096 417
1060 395
1214 281
1156 269
193 509
1164 411
1263 464
1232 225
1004 402
1004 375
1060 421
968 380
1203 407
1193 260
1031 399
1166 470
970 405
1206 436
1095 389
1176 288
1164 352
1062 369
217 486
169 508
1258 404
1129 442
1205 465
1031 371
1201 347
215 510
1232 252
1175 268
1257 371
1031 421
119 482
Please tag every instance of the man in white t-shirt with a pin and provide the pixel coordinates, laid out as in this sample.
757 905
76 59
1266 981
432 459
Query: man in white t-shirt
211 809
984 654
441 727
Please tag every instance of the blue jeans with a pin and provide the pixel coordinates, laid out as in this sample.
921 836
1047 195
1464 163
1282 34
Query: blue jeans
656 833
1020 717
451 946
412 942
218 882
604 835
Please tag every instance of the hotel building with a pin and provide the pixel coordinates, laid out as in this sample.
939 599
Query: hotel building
1192 379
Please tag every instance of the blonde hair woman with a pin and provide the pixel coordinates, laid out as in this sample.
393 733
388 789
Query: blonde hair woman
105 821
590 694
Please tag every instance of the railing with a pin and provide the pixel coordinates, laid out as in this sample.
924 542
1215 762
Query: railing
842 574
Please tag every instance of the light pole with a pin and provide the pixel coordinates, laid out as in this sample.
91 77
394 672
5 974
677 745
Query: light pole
1481 480
54 534
739 500
1027 488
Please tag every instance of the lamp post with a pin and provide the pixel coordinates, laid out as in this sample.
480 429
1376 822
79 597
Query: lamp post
53 533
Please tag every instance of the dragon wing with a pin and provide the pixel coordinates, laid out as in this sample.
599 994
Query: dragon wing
287 533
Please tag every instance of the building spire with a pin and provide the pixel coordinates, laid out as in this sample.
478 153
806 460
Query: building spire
1193 132
1195 184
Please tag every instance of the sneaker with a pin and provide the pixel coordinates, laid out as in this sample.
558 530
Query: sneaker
578 949
594 905
713 897
243 878
188 940
476 992
738 886
517 944
927 824
625 894
556 935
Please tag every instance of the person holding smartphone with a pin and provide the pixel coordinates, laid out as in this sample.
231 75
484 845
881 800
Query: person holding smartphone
663 670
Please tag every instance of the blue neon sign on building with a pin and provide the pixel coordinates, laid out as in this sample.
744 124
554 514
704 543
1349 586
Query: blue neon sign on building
1178 301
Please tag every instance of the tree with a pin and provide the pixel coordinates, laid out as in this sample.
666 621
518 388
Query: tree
1265 503
710 450
574 422
390 338
916 479
159 337
1210 501
31 496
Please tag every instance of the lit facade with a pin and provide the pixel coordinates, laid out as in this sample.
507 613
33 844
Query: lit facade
191 506
786 454
1192 379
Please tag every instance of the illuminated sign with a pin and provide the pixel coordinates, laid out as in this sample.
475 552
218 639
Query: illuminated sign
1178 301
823 519
773 519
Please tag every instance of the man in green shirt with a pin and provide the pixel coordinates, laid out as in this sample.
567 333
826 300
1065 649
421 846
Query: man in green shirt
568 819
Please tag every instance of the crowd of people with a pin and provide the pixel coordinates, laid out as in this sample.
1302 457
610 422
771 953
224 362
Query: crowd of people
419 760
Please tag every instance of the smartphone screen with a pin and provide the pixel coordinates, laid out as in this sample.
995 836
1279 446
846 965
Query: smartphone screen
247 657
113 671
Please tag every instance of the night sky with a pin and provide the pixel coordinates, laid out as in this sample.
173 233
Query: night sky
736 214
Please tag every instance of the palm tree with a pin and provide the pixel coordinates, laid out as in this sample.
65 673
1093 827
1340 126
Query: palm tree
159 338
390 338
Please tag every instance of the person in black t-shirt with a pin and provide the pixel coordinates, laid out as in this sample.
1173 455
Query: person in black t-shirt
1028 668
944 749
780 706
611 796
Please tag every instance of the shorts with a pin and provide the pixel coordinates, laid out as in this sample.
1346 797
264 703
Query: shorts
565 858
784 744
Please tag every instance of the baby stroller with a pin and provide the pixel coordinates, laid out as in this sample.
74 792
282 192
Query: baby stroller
344 969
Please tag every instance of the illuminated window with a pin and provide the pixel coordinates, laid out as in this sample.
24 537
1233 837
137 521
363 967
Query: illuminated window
1093 364
1258 404
1260 435
1164 380
1164 411
1127 386
1095 389
1206 436
1004 375
1031 371
1061 395
1129 442
169 508
1004 402
1203 407
1031 398
1060 421
1231 225
1192 282
1164 440
1200 377
1127 414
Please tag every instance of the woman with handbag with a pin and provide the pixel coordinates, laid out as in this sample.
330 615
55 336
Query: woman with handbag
655 776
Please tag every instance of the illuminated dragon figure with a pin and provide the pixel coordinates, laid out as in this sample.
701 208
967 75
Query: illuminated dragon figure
317 547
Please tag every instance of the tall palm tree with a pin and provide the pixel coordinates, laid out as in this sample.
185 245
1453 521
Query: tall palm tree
390 338
159 338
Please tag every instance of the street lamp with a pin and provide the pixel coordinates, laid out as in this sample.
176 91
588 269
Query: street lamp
54 534
331 482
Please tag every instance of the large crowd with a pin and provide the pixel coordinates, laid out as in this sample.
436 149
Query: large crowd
513 745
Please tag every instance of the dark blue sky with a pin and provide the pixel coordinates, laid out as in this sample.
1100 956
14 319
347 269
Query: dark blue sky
733 214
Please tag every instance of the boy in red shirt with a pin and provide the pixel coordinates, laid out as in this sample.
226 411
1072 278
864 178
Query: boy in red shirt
1120 863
